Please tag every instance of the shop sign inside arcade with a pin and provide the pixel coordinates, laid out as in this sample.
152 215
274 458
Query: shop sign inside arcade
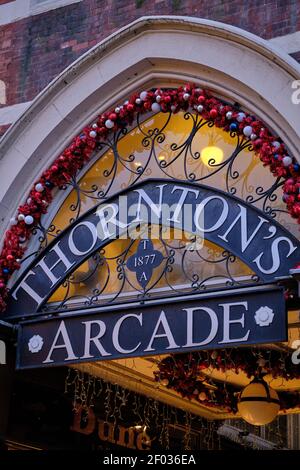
217 319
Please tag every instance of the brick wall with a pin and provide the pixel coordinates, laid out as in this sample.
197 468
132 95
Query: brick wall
34 50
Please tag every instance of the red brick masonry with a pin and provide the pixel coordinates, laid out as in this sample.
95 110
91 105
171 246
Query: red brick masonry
36 49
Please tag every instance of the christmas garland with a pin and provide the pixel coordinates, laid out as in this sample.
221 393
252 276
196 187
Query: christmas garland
270 150
184 374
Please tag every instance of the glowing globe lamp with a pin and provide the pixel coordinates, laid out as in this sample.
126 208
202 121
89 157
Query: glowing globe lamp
258 403
212 155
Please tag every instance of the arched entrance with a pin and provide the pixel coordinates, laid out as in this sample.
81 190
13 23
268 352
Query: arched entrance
212 151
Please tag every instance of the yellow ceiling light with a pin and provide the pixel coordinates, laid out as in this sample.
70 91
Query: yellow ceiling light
258 403
212 155
161 157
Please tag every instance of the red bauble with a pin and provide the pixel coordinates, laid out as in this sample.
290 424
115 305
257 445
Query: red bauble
213 113
290 199
295 209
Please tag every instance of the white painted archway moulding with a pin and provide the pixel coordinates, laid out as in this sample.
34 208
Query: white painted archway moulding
150 51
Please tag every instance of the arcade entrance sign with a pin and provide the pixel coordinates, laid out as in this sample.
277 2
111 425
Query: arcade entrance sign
234 317
239 316
259 241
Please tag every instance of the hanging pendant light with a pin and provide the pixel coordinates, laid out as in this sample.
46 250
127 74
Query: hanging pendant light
258 403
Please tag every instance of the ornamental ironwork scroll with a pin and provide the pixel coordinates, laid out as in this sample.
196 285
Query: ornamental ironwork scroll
182 151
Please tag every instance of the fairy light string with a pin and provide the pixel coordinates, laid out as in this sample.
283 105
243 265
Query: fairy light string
159 420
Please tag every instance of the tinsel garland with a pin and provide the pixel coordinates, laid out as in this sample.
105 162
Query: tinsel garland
269 149
184 374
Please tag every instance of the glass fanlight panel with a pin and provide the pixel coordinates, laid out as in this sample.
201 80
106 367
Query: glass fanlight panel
173 147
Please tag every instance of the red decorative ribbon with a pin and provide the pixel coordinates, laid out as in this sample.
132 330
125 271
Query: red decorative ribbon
184 374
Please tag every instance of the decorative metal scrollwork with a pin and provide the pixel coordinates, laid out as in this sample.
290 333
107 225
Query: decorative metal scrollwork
161 151
183 163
